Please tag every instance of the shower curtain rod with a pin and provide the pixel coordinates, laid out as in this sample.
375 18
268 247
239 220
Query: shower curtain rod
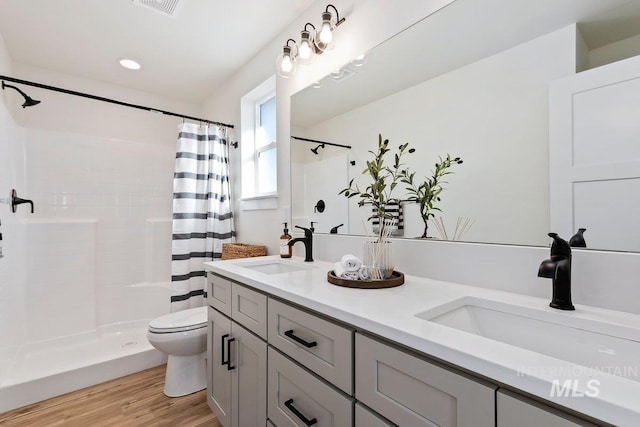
112 101
321 142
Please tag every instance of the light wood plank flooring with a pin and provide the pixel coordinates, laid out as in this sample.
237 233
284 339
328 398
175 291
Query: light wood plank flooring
135 400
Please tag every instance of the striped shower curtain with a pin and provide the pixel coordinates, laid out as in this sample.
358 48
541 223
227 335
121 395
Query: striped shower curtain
202 217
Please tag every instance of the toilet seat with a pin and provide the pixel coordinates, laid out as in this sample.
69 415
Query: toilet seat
180 321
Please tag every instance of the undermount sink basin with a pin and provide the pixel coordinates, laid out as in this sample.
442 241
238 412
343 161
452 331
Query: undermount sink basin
598 345
277 267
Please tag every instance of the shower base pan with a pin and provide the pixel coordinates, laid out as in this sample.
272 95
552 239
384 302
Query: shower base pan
45 369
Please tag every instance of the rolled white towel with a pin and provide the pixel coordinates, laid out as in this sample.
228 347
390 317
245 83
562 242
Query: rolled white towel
351 263
363 273
351 275
338 269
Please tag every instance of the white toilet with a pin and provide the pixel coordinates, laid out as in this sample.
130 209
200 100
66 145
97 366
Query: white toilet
183 336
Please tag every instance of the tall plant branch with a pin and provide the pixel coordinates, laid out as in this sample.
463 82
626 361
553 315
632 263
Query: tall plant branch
427 193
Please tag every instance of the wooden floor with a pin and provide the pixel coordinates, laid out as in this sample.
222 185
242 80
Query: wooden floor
135 400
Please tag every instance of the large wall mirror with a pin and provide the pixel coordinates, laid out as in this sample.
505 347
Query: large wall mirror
472 81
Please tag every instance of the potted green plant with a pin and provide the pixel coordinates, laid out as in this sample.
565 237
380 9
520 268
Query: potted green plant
427 193
380 193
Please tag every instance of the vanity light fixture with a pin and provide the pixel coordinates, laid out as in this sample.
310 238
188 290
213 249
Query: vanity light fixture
311 42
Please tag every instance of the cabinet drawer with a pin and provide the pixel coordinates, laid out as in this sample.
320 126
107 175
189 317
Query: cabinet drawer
249 308
297 398
516 410
411 391
366 418
219 293
322 346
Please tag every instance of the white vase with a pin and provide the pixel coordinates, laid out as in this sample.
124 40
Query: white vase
378 258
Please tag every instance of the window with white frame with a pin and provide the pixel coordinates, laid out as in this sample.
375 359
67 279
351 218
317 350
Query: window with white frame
265 160
259 146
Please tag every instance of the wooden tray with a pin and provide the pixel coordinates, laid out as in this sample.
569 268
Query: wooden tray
396 279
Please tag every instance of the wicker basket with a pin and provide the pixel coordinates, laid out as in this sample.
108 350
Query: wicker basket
242 250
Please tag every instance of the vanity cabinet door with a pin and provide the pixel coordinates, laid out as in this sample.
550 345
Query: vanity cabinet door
219 293
411 391
218 376
366 418
322 346
249 381
514 410
297 398
249 308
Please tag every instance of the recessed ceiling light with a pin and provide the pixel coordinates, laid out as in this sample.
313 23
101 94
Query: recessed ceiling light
130 64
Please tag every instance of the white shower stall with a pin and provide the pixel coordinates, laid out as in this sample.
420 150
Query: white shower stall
81 277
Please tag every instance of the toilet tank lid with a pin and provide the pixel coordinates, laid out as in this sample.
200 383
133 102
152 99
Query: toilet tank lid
181 319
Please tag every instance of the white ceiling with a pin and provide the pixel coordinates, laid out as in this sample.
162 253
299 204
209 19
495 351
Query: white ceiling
184 57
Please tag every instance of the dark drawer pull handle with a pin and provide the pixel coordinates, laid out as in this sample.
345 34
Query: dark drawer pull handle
307 421
307 344
224 362
229 367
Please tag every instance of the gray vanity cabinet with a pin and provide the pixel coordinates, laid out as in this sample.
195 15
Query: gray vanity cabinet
514 410
297 398
412 391
324 347
237 357
366 418
218 376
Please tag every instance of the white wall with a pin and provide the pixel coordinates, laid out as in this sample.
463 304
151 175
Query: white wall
65 113
494 115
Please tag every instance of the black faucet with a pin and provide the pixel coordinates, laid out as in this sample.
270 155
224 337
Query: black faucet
308 243
558 268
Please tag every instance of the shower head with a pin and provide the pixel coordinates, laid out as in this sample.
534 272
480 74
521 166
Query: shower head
315 150
28 101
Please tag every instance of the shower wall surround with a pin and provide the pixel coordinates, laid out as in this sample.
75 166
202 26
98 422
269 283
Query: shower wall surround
101 234
97 251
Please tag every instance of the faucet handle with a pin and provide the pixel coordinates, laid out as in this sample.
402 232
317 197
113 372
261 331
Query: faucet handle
307 232
15 201
560 247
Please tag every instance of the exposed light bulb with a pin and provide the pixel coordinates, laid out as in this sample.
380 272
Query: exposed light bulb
287 64
305 50
326 34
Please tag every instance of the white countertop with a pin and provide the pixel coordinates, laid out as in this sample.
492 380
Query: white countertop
390 313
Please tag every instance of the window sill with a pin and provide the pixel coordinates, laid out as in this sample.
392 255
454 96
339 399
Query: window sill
259 203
